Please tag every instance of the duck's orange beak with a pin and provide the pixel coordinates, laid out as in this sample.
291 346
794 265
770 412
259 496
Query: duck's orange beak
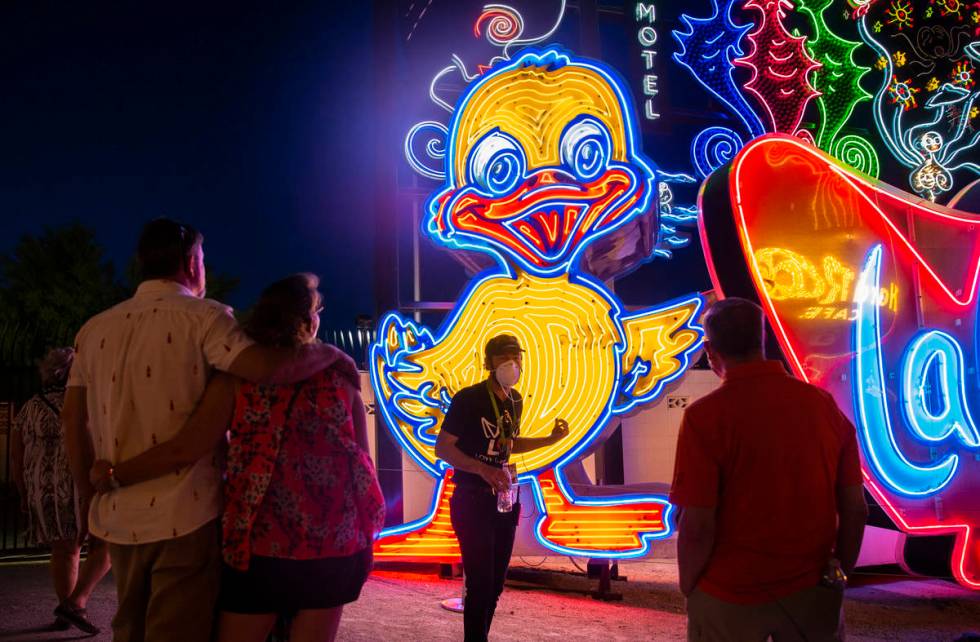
547 217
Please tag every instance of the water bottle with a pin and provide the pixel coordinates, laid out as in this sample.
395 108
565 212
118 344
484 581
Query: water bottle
505 498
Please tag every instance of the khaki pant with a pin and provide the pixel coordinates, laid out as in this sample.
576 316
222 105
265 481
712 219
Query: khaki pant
810 615
167 590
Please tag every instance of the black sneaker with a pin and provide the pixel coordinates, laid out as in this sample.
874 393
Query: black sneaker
76 616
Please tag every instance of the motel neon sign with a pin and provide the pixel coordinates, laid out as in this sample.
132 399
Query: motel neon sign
646 35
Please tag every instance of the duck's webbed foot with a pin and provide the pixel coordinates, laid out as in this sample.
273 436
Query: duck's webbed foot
610 527
428 539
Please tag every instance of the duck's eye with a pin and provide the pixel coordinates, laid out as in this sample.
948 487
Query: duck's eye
497 163
585 148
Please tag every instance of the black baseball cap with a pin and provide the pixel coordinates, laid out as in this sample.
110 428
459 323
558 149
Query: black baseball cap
502 344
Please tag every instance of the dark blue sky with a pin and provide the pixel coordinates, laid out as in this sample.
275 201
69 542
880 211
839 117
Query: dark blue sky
250 122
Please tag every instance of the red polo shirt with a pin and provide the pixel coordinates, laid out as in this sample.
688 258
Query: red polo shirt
769 452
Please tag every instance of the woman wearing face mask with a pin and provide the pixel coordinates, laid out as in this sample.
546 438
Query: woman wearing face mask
480 432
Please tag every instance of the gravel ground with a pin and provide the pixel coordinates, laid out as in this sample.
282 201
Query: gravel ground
544 600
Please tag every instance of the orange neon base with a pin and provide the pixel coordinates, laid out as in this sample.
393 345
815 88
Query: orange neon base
434 541
616 525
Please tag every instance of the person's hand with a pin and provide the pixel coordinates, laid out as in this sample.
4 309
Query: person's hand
560 430
100 477
497 478
834 576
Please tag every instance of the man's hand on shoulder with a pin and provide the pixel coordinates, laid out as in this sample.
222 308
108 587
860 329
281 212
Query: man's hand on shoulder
264 364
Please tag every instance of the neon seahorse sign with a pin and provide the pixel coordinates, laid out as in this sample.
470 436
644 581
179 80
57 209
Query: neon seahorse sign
903 365
542 158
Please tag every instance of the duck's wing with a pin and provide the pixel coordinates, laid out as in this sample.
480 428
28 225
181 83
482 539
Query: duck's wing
406 394
659 345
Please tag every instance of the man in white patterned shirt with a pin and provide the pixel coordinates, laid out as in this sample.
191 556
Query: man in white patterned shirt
141 367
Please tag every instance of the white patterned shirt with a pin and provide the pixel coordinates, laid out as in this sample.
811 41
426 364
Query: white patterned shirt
144 364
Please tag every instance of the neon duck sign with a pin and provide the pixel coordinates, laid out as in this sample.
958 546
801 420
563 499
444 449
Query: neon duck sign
907 372
542 158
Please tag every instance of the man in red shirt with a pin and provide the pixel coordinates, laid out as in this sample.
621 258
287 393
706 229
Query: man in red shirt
768 480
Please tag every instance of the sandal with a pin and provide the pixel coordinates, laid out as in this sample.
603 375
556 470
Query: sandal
77 616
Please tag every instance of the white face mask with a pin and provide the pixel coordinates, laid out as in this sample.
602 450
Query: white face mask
508 374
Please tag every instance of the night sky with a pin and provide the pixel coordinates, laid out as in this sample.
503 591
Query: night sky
251 121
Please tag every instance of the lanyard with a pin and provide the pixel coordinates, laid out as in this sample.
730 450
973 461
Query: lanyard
496 409
493 400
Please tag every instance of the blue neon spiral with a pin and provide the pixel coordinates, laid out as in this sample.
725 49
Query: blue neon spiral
712 148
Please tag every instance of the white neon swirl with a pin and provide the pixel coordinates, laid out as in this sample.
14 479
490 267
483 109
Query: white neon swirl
906 156
432 88
536 39
432 148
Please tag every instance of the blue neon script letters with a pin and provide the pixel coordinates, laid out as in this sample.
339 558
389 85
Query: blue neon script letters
931 351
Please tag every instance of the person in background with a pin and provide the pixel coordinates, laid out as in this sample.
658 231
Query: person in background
39 464
480 432
768 481
302 499
140 370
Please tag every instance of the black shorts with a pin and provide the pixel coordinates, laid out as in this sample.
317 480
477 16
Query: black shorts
284 586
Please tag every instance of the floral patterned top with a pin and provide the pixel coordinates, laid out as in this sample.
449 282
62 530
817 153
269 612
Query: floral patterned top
298 485
51 496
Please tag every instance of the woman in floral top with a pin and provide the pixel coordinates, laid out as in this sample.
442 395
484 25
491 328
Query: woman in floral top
302 500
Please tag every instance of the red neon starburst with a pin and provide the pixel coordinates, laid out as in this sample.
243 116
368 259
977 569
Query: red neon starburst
900 14
949 7
903 93
963 74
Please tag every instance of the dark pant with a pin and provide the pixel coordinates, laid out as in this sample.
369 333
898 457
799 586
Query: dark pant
167 589
810 615
486 539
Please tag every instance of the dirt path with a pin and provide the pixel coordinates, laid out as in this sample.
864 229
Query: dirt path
548 602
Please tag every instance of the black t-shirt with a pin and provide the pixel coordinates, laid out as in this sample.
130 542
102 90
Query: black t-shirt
472 419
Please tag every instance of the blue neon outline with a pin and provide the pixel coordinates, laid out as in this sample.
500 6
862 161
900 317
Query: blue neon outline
876 432
644 175
645 178
684 358
398 362
421 522
913 396
704 154
621 500
719 82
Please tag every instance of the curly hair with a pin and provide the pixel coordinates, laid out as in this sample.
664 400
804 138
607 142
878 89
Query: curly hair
283 310
54 367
